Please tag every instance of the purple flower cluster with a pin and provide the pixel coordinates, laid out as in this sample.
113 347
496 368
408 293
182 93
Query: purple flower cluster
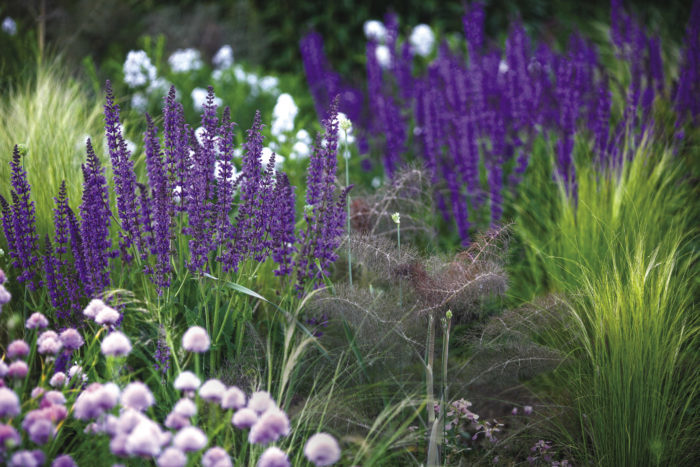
191 186
487 109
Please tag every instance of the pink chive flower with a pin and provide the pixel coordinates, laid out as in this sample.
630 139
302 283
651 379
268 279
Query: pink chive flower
274 457
64 461
190 439
49 343
5 296
233 398
172 457
527 409
58 379
17 370
187 381
268 429
137 396
36 321
260 401
196 340
9 403
118 445
116 344
216 457
107 315
9 436
3 369
94 307
37 392
185 407
322 449
53 398
26 458
244 418
146 439
176 421
71 339
212 390
40 431
17 349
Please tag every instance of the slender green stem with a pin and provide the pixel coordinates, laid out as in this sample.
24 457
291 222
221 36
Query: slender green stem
347 202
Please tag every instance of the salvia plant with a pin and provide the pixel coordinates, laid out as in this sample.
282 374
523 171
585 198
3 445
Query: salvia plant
48 408
478 118
194 195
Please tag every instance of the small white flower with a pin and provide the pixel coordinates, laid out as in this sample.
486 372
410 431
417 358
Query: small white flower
375 30
396 217
383 56
187 381
376 182
344 122
158 85
223 58
130 146
239 73
283 114
303 136
422 40
138 69
185 60
269 84
9 26
300 150
177 193
503 67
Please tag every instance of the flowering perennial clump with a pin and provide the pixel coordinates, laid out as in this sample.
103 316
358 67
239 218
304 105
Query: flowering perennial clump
227 216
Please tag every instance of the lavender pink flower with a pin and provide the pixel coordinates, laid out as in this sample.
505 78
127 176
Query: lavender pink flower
322 449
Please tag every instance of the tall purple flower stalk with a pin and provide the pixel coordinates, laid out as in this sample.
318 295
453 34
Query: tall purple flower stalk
225 184
282 226
176 145
161 202
94 228
124 179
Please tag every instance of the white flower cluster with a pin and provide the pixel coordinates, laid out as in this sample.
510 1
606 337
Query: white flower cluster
422 40
138 69
185 60
283 116
9 26
302 146
375 30
223 58
257 84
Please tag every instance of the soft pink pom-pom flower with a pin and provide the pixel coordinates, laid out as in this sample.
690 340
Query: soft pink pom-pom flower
53 398
190 439
216 457
212 390
172 457
94 307
64 461
185 407
146 439
244 418
58 379
187 381
107 315
9 436
260 401
17 370
274 457
37 321
137 396
37 392
322 449
271 425
116 344
17 349
71 339
233 398
176 421
5 296
527 409
48 342
26 458
196 340
9 403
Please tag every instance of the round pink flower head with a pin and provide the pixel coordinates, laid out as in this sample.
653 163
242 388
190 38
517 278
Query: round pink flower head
9 436
527 409
176 421
260 401
40 431
190 439
116 344
17 370
268 429
37 392
26 458
3 369
185 407
53 398
212 390
172 457
274 457
64 461
71 339
17 349
187 381
107 396
107 315
86 405
145 440
244 418
37 321
216 457
196 340
5 296
48 342
322 449
233 398
58 379
9 403
137 396
95 306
